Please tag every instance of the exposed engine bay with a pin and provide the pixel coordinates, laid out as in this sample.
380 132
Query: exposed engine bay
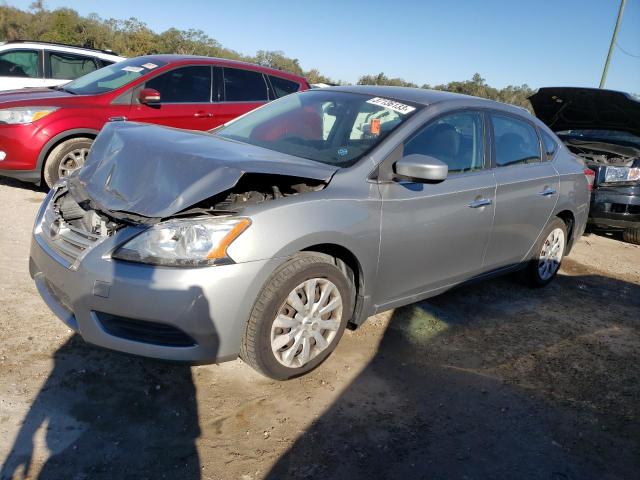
251 189
601 153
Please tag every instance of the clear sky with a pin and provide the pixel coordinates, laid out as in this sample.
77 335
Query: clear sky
543 42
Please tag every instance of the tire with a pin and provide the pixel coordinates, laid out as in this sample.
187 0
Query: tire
65 158
632 235
534 274
262 344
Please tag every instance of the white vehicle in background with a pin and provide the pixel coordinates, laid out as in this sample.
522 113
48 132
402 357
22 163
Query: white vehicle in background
43 64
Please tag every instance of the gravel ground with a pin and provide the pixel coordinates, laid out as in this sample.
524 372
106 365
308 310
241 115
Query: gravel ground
492 380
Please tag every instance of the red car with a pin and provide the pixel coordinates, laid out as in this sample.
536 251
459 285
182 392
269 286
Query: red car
46 133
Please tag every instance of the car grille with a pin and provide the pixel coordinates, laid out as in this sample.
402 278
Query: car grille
68 241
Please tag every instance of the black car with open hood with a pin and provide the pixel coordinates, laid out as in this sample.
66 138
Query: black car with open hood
603 128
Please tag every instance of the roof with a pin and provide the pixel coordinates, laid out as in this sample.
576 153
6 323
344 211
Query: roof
424 96
176 58
57 44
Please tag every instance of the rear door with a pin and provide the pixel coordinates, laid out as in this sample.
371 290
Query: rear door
527 190
185 99
435 234
21 68
241 90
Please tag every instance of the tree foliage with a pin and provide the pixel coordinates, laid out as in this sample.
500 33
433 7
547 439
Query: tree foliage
132 37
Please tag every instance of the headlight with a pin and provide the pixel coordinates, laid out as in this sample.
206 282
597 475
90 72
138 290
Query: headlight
193 242
24 115
621 174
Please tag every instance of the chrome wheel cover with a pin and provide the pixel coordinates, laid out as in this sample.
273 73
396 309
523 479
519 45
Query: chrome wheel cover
551 254
72 161
307 322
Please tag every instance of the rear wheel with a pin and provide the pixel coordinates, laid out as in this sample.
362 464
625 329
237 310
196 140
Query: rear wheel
298 318
66 158
549 253
632 235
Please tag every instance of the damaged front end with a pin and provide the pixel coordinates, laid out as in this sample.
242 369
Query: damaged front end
613 163
184 200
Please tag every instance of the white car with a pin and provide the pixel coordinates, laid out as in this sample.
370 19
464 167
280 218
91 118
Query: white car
42 64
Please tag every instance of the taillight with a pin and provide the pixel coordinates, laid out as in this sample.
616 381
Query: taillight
591 177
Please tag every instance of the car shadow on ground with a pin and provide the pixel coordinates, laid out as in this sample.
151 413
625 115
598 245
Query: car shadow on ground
493 380
109 415
12 182
476 384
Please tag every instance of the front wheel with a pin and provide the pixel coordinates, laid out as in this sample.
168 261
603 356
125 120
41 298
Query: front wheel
549 253
65 158
298 317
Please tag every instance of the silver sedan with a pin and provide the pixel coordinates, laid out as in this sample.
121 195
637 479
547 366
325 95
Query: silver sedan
266 238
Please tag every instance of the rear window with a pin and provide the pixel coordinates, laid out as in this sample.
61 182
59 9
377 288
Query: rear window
67 66
244 86
283 87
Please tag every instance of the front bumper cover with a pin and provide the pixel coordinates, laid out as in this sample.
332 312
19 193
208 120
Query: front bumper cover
211 305
615 207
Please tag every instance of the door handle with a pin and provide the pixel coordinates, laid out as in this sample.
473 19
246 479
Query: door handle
481 202
547 191
203 115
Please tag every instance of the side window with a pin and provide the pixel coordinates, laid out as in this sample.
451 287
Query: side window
516 141
103 63
184 85
68 66
244 86
19 63
456 139
283 87
550 145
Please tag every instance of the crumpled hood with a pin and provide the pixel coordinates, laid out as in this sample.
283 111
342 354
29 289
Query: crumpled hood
572 108
157 172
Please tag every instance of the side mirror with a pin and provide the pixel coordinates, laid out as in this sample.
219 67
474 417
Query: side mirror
421 168
149 96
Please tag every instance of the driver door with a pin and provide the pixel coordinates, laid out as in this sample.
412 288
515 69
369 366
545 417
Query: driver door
436 234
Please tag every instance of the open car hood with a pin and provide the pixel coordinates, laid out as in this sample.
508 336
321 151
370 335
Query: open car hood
156 172
571 108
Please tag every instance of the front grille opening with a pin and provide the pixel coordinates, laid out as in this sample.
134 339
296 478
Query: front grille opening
143 331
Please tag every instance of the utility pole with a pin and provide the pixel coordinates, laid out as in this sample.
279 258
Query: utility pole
613 42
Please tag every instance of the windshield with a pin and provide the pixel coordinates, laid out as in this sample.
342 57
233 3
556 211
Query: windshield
114 76
335 128
606 136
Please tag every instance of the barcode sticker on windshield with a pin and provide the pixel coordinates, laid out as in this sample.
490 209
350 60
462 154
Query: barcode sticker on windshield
132 69
391 105
149 66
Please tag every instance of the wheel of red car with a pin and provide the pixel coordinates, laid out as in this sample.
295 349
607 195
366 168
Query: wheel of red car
549 254
65 158
298 318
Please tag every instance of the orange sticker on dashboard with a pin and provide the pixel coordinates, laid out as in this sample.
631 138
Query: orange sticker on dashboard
375 126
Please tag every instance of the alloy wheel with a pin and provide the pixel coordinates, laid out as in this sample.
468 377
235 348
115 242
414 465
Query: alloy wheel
72 161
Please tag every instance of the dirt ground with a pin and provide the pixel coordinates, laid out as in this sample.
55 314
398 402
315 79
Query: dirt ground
492 380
